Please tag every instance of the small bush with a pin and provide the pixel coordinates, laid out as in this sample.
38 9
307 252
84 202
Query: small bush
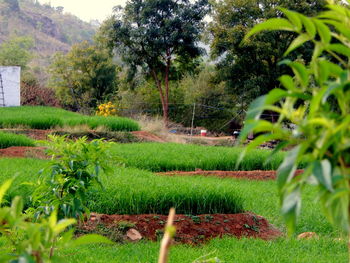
34 95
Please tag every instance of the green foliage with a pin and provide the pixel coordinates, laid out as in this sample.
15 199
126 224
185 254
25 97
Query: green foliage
227 249
159 157
38 117
9 139
15 52
316 101
85 77
159 37
75 168
251 69
36 242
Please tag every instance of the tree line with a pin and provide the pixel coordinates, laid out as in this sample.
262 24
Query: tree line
150 56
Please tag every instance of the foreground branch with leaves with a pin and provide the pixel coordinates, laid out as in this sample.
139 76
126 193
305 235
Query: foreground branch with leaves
315 102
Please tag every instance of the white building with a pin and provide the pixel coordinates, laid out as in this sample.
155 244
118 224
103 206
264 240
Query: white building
11 82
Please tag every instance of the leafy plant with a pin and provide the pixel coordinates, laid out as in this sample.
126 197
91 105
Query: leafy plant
75 167
36 242
315 101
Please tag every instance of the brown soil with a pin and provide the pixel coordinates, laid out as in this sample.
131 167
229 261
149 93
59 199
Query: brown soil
252 175
191 229
147 136
24 152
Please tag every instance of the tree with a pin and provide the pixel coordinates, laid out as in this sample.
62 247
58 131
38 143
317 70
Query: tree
251 69
155 35
15 52
315 99
84 77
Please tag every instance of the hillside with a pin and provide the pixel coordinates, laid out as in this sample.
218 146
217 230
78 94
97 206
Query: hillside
51 28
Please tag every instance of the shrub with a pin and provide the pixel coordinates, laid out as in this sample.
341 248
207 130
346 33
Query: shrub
34 95
75 167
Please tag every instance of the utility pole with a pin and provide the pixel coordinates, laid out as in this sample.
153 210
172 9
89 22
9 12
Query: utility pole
194 109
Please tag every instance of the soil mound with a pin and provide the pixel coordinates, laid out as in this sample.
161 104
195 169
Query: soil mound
189 229
250 175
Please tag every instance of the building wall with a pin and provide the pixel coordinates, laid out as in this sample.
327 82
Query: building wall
11 79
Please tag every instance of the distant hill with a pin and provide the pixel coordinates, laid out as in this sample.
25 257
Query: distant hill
51 28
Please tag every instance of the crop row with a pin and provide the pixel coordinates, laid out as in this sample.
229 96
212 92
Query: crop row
160 157
47 118
133 191
9 139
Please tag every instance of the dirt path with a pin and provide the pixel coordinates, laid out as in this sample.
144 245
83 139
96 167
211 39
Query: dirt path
147 136
190 229
252 175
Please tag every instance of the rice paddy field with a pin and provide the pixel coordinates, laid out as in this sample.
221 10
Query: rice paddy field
134 191
162 157
135 188
37 117
9 139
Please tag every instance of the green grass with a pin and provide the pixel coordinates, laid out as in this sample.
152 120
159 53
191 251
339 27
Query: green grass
160 157
135 188
132 191
39 117
10 139
229 250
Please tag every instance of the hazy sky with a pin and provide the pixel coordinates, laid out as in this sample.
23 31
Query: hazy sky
87 9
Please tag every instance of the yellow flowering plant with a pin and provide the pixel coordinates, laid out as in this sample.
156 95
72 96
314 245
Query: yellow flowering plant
107 109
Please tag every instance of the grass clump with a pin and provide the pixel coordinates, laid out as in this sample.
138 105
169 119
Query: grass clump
39 117
10 139
161 157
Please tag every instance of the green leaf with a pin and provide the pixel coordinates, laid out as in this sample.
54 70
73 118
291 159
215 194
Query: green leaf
285 171
63 224
309 25
291 205
4 187
271 24
300 40
257 106
17 207
300 72
323 172
91 239
340 49
293 17
343 29
317 51
323 31
288 82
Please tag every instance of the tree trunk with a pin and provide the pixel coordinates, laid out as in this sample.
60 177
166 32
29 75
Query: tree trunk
163 98
166 104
